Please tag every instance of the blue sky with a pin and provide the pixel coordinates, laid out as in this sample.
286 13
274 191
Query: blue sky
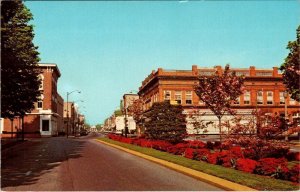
106 48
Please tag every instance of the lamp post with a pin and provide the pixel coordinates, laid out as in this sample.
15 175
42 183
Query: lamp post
69 93
285 94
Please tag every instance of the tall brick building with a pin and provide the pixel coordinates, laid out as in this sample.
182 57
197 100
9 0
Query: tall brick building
46 119
264 90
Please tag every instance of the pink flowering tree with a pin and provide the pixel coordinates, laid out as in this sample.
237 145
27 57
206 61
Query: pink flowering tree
136 110
196 119
291 68
219 91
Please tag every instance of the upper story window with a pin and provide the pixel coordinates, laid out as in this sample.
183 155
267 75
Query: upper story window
178 97
167 95
270 97
40 102
242 73
41 78
264 74
247 98
259 98
188 97
281 97
237 101
292 101
206 73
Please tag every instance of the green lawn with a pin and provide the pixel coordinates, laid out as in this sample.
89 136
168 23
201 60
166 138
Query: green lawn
251 180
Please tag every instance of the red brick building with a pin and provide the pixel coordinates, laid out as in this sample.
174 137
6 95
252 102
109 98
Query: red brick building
46 118
264 90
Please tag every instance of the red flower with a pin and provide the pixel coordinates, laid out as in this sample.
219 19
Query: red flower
269 166
189 153
295 173
202 154
196 144
247 165
212 158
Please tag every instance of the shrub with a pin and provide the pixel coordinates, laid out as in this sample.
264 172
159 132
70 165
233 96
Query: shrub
247 165
177 149
146 143
212 158
294 173
196 144
293 156
189 153
165 122
209 145
269 166
161 145
202 154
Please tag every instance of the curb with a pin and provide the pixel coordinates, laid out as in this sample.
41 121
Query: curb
216 181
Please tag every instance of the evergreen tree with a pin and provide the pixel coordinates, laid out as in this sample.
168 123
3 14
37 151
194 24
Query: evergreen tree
19 82
291 68
165 122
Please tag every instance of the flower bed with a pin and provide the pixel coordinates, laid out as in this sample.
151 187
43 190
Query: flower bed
243 159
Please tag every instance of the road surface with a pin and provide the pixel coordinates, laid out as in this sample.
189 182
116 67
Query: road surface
77 164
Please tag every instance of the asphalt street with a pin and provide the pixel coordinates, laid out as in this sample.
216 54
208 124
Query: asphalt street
83 164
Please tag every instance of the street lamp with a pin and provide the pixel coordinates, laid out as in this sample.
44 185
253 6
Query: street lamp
69 93
285 94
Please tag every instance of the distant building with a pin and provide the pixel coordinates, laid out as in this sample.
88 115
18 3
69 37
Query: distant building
70 124
120 124
264 90
46 118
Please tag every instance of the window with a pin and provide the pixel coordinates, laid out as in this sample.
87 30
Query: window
259 99
264 74
244 73
237 101
292 101
281 97
188 97
247 98
45 125
40 104
270 97
41 79
167 95
178 97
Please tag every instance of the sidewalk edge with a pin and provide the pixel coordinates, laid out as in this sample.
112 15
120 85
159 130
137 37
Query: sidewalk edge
216 181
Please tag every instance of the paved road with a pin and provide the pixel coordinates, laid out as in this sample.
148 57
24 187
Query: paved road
77 164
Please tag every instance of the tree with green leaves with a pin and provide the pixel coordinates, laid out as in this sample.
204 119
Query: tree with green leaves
291 68
219 91
165 122
19 82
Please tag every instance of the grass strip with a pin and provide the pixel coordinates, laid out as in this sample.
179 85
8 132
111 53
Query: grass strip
251 180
